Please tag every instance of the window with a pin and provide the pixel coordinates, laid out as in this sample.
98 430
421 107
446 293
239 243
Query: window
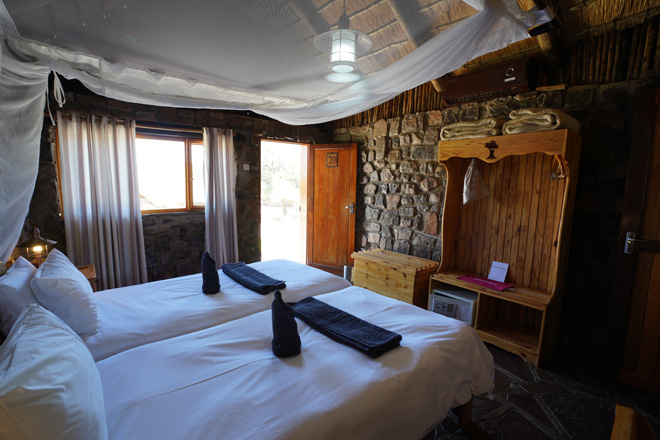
170 169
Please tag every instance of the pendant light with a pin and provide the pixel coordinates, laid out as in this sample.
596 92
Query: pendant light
343 44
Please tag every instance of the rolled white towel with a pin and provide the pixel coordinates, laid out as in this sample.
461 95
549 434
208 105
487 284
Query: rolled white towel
472 129
539 119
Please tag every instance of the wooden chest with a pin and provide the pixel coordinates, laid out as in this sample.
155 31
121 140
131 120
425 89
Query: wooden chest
398 276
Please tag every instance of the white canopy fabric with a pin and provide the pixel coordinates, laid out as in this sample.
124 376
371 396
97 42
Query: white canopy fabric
254 55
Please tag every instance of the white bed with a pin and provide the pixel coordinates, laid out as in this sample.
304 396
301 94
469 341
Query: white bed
180 364
136 315
224 382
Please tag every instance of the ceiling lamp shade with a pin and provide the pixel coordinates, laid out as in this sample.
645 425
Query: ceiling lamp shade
343 44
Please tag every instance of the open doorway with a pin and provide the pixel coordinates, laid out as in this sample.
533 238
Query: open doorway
283 201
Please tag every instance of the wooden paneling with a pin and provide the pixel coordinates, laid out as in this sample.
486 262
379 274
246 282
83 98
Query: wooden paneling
518 224
524 222
550 142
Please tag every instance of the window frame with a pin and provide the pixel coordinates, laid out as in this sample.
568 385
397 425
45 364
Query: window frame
171 135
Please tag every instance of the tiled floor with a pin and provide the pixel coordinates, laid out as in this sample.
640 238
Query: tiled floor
558 402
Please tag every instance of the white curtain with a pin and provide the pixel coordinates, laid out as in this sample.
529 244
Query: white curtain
220 209
100 199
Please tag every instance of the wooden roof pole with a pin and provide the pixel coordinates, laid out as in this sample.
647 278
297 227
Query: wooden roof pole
550 40
408 20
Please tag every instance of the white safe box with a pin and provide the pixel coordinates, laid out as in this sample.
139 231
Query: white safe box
454 302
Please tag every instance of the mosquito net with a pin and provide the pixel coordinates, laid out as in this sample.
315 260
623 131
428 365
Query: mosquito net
254 55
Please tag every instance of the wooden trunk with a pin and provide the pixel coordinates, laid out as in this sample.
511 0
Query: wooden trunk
524 222
398 276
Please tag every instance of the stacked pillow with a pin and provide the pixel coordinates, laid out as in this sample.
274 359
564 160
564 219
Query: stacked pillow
57 285
63 289
15 292
50 387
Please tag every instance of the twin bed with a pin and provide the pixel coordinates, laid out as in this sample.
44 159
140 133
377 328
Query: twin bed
169 362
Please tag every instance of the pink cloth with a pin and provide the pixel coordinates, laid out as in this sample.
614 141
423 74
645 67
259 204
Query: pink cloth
485 282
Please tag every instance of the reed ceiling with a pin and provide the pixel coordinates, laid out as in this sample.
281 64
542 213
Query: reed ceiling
580 19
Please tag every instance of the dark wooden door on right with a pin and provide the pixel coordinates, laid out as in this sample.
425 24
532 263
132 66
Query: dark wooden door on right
637 282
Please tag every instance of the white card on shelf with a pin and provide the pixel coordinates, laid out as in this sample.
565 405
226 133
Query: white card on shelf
498 271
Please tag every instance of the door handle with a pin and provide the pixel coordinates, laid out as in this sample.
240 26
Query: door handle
629 247
351 207
640 245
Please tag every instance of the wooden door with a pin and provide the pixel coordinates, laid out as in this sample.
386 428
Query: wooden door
637 282
332 175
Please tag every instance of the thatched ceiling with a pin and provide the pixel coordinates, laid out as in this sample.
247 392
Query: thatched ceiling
393 24
580 19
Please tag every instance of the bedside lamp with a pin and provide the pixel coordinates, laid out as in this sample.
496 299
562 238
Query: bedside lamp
37 247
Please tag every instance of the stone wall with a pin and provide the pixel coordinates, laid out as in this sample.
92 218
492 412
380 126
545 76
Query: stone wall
44 212
401 185
401 192
173 242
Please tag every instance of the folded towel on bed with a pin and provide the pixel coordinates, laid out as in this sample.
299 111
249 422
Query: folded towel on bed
346 328
539 119
286 341
210 278
252 278
472 129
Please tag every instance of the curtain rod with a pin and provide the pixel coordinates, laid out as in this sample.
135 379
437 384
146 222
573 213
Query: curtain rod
177 129
138 125
67 115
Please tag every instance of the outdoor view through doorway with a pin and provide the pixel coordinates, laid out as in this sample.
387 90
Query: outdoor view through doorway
283 201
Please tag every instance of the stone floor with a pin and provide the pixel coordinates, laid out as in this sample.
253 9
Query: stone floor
562 401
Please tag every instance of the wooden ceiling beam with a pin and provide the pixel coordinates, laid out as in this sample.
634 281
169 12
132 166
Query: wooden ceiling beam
410 19
314 24
551 42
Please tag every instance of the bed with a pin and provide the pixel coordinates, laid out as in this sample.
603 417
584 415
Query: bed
135 315
223 381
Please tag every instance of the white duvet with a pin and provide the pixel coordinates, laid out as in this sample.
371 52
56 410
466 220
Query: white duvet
225 383
136 315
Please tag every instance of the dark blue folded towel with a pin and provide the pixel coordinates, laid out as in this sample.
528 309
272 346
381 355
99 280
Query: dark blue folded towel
286 341
210 279
346 328
252 278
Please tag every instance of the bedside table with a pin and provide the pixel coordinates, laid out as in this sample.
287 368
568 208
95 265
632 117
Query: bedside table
90 273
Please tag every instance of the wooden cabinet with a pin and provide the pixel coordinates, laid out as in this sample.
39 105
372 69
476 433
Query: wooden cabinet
525 222
402 277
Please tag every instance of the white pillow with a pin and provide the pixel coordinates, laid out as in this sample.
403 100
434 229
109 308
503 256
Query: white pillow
15 292
50 387
65 291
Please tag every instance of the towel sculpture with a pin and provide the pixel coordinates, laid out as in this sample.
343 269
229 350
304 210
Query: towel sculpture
539 119
346 328
286 341
472 129
252 278
210 279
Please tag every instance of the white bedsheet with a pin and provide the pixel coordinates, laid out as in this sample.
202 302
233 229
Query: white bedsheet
136 315
225 383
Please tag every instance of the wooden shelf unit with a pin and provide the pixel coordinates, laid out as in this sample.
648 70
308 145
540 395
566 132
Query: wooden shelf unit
525 222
